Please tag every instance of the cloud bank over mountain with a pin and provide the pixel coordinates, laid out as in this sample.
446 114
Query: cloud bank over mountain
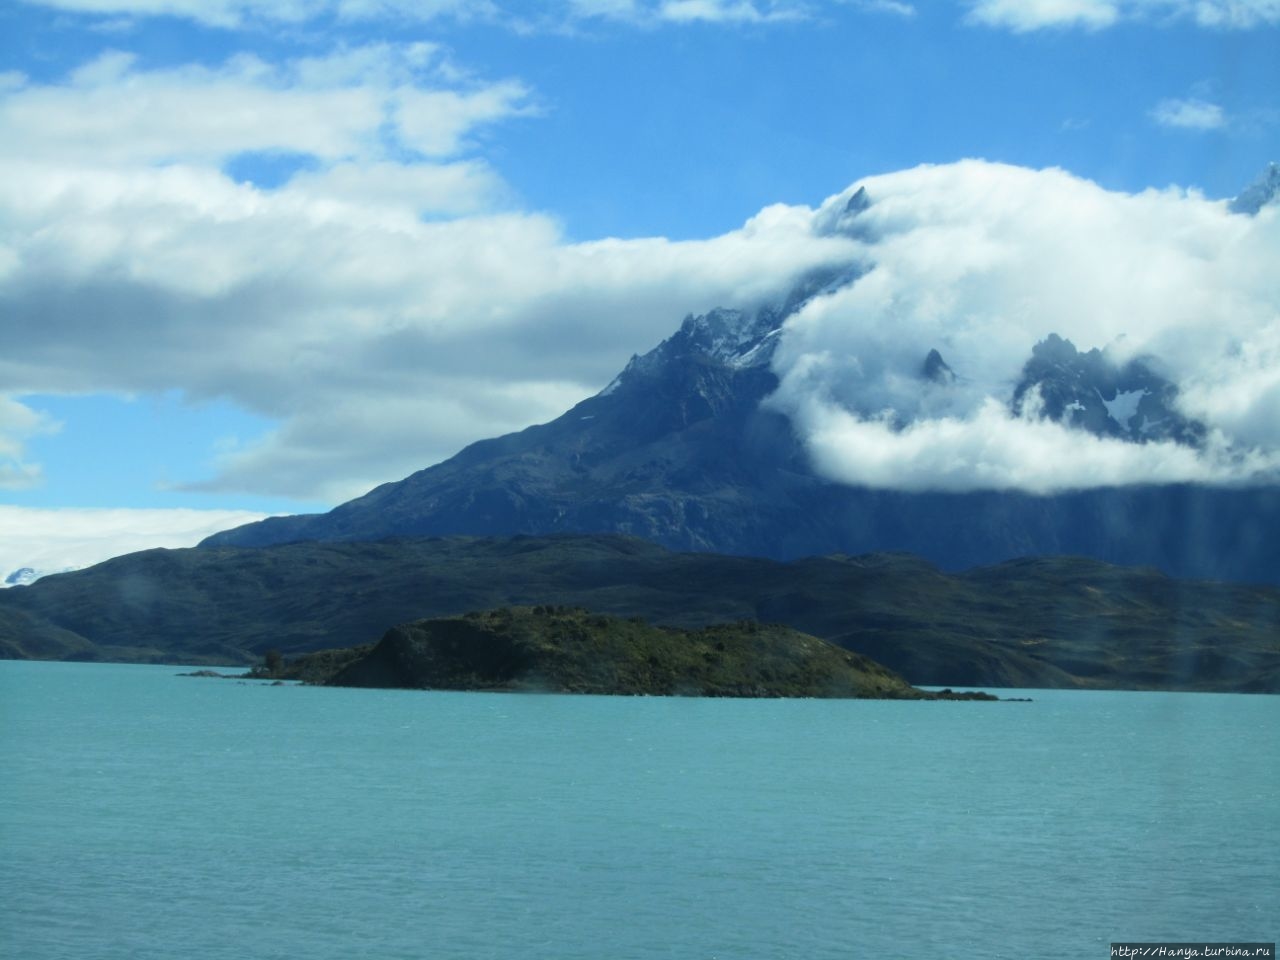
980 262
384 301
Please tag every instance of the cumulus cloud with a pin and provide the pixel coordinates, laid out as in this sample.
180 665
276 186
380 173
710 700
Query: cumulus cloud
1189 114
384 307
993 450
383 310
18 424
345 443
981 261
50 541
352 104
1026 15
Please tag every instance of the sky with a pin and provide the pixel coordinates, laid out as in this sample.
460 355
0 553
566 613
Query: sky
258 257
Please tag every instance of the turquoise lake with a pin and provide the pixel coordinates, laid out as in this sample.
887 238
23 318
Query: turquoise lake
146 815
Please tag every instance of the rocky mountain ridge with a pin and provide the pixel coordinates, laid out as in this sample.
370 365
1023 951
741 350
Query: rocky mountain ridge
1263 191
679 449
1088 391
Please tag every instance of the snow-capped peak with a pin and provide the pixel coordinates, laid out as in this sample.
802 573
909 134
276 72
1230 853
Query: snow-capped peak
726 334
1124 407
740 339
21 577
25 576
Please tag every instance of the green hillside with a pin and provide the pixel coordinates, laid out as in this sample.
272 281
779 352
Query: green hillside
1050 622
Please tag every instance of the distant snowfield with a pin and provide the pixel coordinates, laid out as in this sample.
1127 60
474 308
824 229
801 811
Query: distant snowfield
46 541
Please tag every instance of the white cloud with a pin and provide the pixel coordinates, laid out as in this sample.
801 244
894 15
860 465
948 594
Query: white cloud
407 9
240 13
18 424
375 336
1026 15
650 13
981 261
725 11
1240 14
333 108
895 7
345 444
381 340
992 450
50 541
450 189
435 122
1018 15
608 9
237 13
1189 115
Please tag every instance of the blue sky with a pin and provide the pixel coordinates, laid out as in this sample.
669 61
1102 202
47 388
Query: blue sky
260 256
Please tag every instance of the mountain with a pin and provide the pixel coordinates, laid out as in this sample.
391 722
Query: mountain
25 576
1088 391
1258 194
676 449
21 577
1050 622
679 449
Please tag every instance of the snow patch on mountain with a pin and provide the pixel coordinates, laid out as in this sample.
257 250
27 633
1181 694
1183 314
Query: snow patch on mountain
25 576
20 577
1124 407
756 355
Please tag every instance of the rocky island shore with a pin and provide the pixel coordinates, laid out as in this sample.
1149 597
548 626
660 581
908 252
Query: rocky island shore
559 649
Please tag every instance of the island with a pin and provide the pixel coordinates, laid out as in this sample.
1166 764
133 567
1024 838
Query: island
560 649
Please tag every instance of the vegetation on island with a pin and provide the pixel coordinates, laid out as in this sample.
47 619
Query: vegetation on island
571 650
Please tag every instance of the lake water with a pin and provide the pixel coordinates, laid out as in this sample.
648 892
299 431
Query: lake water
144 815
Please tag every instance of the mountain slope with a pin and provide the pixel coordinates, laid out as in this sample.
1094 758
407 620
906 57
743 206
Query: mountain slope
1086 391
687 448
1052 622
680 450
676 450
